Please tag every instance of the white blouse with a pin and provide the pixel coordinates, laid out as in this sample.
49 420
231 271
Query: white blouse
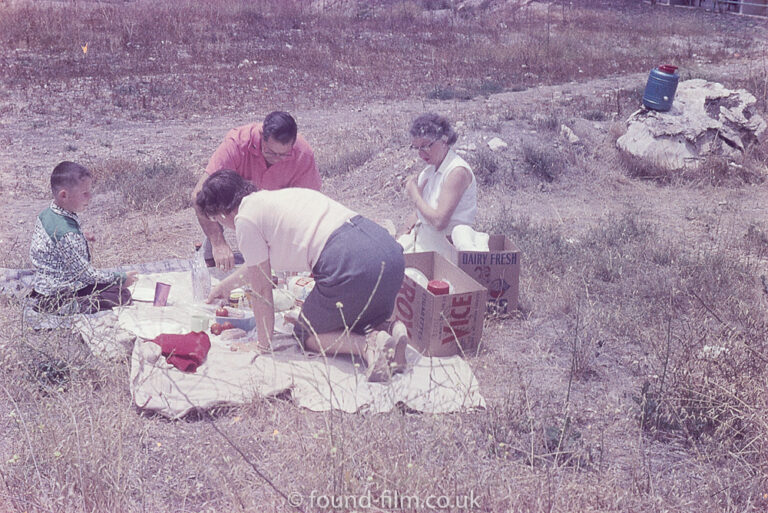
433 179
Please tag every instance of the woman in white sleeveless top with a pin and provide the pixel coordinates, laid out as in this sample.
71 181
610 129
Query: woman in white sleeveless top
444 193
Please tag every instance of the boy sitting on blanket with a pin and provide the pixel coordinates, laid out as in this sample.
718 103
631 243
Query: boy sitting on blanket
65 282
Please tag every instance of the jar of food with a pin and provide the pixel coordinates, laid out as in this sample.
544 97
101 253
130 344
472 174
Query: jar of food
236 298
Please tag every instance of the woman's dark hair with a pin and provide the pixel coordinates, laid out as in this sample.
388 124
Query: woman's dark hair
434 126
222 192
280 126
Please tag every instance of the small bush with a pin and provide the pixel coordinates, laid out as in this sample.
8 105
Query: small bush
720 171
489 87
488 167
542 163
549 122
714 170
756 239
436 5
448 93
343 163
156 187
627 228
595 115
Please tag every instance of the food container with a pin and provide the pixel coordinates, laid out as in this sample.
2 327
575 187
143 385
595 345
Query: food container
236 298
239 318
661 87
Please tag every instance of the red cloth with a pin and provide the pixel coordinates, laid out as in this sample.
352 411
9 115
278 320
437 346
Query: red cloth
185 352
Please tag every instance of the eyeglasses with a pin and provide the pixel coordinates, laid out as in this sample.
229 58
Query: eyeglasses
424 147
268 152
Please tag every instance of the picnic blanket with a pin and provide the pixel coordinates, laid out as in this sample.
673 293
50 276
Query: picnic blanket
434 385
316 382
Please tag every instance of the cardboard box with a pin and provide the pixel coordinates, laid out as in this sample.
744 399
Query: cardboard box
442 325
498 270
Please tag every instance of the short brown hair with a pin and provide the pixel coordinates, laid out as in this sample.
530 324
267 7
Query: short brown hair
67 175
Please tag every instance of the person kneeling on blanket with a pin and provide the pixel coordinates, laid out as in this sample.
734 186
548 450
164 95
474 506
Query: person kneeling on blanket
358 268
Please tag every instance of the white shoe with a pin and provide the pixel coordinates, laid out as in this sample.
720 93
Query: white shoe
400 334
377 346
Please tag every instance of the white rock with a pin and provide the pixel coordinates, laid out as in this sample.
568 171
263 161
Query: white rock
497 144
568 134
705 119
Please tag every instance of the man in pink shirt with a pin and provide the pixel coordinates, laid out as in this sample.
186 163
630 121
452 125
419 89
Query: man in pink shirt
272 156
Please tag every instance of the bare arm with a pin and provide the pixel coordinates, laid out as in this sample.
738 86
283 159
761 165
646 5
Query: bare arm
450 194
413 218
410 222
260 279
225 286
131 277
222 253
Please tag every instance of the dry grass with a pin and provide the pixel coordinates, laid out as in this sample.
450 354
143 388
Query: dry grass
144 187
632 378
714 170
688 314
156 62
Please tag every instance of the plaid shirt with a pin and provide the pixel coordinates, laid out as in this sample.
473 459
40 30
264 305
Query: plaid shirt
61 257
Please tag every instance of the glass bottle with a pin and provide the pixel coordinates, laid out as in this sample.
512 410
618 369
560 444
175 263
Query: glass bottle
201 278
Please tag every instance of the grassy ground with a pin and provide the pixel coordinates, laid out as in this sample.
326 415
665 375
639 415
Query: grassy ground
634 376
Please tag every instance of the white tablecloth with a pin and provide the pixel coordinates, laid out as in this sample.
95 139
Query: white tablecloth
315 382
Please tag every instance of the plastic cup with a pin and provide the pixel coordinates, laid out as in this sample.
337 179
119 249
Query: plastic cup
198 323
161 293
